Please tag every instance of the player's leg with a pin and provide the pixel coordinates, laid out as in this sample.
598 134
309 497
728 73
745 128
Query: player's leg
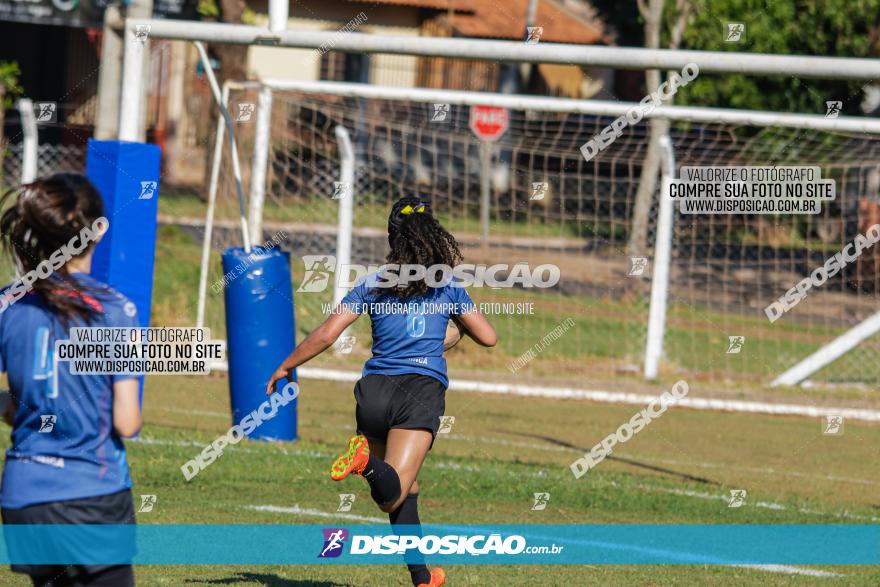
406 451
378 449
116 508
409 418
371 397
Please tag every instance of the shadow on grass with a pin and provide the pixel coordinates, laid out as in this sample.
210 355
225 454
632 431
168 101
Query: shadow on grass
266 580
640 465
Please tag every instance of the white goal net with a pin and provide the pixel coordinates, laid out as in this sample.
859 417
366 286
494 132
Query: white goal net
549 205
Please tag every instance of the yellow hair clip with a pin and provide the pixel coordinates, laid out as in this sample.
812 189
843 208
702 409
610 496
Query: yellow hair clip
407 210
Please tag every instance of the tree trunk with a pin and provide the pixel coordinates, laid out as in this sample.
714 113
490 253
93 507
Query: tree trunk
638 234
232 58
653 15
233 66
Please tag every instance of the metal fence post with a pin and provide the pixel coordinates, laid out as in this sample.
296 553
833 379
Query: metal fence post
662 260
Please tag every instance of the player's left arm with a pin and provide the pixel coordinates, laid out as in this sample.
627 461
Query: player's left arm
127 418
7 403
318 341
453 334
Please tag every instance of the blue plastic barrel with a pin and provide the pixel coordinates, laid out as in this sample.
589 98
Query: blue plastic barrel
260 334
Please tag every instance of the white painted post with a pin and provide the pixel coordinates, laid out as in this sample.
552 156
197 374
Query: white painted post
801 66
346 218
209 214
30 140
346 210
278 10
260 163
861 124
485 191
132 100
233 147
830 352
662 260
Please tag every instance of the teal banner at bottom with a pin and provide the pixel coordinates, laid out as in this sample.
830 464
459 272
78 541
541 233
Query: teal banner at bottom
606 544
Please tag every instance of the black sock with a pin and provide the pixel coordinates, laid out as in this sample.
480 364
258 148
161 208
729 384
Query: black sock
383 480
408 514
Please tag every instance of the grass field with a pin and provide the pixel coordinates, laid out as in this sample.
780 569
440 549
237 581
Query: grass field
609 331
500 452
607 342
321 210
503 449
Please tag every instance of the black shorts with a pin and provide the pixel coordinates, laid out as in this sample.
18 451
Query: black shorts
116 508
385 402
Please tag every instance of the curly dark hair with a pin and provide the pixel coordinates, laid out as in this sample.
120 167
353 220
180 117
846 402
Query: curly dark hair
417 238
40 218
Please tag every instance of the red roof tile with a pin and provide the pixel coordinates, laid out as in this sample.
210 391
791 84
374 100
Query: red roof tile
505 19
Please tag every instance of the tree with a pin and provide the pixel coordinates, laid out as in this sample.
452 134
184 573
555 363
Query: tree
9 87
653 15
232 58
832 28
844 28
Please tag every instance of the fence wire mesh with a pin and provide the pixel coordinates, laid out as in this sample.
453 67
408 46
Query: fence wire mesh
549 205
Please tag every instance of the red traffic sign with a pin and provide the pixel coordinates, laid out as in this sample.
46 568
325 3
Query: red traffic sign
489 122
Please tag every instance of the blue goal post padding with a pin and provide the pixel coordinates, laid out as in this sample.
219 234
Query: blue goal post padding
260 333
127 177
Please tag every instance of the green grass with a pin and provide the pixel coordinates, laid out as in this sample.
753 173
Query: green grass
321 209
609 331
501 451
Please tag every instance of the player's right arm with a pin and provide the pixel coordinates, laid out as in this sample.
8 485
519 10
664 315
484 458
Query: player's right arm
318 341
477 327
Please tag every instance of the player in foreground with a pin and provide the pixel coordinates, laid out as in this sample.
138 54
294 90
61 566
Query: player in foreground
401 396
67 463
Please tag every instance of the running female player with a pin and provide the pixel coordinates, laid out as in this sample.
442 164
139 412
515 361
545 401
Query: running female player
401 396
67 463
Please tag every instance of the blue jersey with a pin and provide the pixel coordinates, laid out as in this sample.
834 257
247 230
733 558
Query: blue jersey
408 334
63 442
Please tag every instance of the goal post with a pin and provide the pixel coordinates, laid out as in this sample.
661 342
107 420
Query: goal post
724 124
325 102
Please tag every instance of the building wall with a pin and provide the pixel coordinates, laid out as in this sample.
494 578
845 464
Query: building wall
332 15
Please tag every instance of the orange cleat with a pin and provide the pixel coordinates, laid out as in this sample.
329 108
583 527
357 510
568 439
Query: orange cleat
438 577
353 460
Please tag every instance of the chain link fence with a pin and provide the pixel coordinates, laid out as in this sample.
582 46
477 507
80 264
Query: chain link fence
50 159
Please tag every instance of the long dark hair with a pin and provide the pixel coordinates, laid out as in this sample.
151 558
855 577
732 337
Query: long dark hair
39 219
417 238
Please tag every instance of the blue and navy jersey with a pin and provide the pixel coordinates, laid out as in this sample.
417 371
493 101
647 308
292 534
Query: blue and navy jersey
408 334
63 442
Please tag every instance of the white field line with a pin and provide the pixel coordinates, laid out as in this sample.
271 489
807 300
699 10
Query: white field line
650 459
761 504
653 459
551 448
451 465
296 510
312 454
616 397
789 570
196 412
765 470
